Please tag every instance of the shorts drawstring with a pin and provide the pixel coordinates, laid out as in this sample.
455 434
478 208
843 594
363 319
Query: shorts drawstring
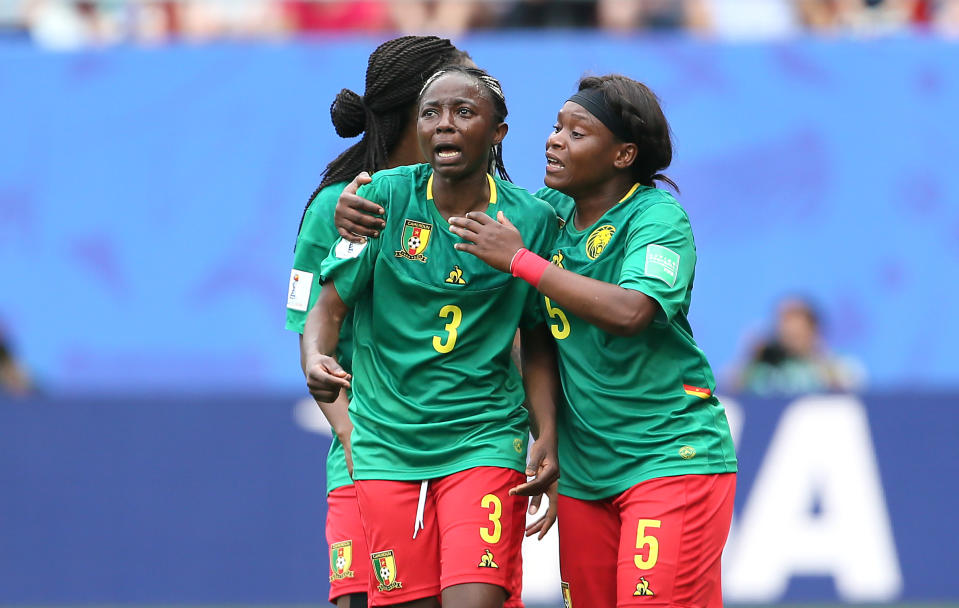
420 508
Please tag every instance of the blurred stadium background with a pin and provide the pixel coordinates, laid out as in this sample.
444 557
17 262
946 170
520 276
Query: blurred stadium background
155 444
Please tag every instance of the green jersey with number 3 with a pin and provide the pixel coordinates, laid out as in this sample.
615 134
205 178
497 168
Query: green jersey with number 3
434 389
313 244
638 407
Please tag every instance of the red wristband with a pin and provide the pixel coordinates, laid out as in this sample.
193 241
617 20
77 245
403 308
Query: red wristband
528 266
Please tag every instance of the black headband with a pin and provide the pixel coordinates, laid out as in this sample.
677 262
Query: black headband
594 100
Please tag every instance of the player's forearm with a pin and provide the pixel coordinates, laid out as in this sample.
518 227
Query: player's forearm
321 333
337 414
541 379
619 311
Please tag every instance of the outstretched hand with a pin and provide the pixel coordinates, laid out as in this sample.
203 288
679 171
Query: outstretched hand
544 523
543 467
493 241
355 217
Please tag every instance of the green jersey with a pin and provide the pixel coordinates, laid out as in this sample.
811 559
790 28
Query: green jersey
637 407
313 243
434 389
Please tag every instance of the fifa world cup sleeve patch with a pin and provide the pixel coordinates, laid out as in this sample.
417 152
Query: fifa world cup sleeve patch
298 297
662 263
345 249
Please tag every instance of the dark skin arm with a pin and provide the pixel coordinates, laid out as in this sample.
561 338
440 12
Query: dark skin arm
324 376
541 379
619 311
321 334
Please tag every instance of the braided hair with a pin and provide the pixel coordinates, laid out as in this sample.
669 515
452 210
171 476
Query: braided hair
639 109
394 76
495 90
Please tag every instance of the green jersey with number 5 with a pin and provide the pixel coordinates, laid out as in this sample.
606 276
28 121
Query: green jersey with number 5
434 388
638 407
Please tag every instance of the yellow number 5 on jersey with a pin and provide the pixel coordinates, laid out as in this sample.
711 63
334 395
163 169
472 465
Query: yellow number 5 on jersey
455 316
560 330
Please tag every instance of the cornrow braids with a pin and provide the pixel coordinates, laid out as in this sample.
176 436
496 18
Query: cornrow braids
639 109
395 74
500 111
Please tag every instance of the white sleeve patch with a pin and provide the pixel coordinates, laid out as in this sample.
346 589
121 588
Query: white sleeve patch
662 263
345 249
298 298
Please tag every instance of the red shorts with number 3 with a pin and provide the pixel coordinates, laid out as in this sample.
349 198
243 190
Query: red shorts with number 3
349 558
658 543
472 533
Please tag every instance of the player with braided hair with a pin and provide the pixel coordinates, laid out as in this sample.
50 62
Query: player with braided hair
440 431
649 470
394 77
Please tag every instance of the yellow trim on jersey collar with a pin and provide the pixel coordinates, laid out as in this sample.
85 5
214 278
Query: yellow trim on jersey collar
492 189
628 194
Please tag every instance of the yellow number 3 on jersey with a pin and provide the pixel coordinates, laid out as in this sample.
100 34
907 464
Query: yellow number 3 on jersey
455 316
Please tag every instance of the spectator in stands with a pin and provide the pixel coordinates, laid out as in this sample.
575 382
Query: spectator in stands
795 359
13 378
625 15
549 14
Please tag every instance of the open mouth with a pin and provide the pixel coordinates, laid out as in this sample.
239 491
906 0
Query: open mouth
446 152
553 163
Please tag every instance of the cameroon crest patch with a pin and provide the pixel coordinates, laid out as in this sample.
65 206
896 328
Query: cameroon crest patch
416 238
598 239
341 558
384 567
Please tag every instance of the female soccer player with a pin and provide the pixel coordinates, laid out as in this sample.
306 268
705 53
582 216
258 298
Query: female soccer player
646 495
395 74
439 428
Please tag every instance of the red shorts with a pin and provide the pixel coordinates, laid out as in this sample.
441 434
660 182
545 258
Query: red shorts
472 533
658 543
349 565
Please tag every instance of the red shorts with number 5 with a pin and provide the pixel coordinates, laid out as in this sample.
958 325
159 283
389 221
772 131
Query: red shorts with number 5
658 543
349 557
472 533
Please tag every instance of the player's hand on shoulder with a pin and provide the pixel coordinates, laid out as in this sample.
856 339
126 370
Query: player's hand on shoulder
354 216
325 378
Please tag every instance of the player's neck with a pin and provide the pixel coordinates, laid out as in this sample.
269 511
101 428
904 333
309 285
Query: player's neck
592 205
455 198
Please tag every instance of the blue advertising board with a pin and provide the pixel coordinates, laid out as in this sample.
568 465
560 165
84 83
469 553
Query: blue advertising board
220 499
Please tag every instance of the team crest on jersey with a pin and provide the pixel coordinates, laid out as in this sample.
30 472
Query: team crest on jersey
341 558
567 600
456 276
384 567
597 241
416 237
642 587
487 560
558 258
